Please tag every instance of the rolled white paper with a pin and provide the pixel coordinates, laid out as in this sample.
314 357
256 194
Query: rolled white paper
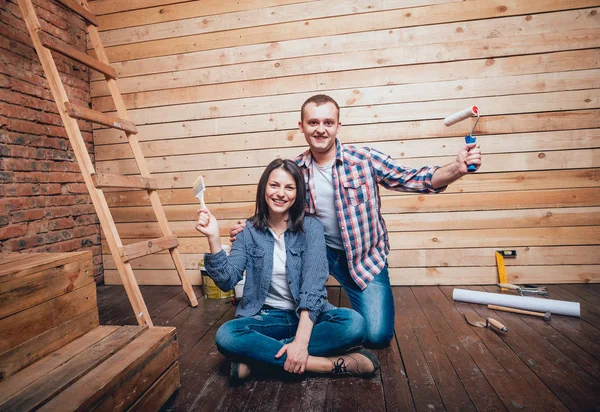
558 307
462 115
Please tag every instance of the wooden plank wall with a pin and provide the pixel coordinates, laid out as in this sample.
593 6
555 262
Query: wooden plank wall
215 87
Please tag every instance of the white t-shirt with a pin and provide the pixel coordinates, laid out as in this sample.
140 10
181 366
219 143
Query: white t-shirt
325 204
279 295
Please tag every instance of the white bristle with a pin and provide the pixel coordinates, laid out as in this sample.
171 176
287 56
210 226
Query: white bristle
199 187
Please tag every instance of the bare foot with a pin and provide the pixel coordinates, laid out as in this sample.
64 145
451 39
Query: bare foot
243 371
239 373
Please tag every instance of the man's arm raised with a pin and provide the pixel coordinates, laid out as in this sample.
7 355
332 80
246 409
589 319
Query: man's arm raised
469 155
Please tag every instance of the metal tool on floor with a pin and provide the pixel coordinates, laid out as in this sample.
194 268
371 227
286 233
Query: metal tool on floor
480 323
500 255
543 315
525 291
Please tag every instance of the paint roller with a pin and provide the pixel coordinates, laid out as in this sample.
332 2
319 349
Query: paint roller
460 116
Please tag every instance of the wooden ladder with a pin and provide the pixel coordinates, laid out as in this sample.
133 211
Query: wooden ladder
95 182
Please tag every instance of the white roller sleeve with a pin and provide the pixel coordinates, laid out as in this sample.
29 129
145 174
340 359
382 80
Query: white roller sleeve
462 115
558 307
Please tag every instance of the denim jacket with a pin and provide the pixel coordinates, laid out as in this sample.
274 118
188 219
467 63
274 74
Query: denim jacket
306 266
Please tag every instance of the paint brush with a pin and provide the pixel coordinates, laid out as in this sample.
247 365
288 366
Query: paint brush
199 190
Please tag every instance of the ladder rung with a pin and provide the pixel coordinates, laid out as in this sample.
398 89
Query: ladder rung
137 250
82 11
62 48
80 112
131 182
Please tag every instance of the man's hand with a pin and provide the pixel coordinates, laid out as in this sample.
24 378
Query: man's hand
297 357
236 229
469 155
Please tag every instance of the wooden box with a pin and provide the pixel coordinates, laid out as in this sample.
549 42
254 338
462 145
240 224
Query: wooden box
55 356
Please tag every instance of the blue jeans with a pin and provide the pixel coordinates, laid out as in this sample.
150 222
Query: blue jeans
375 303
259 338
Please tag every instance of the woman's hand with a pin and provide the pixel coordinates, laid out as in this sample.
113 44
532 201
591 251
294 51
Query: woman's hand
207 224
297 357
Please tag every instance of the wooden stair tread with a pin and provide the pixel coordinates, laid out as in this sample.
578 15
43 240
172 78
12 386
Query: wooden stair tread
23 264
139 249
80 10
10 259
55 357
160 391
156 342
80 112
27 288
60 47
132 182
49 385
25 377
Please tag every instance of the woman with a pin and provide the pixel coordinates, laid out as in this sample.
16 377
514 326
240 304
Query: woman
283 319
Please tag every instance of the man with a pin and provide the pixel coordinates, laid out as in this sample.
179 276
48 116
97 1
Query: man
342 191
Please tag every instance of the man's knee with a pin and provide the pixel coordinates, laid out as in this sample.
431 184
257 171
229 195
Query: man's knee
378 336
356 327
353 325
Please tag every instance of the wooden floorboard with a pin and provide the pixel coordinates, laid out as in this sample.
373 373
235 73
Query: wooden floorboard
566 379
532 386
435 362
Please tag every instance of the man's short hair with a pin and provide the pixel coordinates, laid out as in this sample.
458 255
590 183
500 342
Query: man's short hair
319 99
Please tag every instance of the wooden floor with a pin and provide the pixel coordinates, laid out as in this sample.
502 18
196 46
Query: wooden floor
436 362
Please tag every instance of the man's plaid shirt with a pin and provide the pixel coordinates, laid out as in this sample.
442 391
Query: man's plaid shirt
356 173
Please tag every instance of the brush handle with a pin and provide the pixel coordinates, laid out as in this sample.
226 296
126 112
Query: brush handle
200 197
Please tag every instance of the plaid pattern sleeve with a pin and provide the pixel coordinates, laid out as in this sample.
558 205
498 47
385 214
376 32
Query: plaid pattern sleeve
396 177
358 171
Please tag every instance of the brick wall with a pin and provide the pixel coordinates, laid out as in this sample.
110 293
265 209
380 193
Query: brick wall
44 205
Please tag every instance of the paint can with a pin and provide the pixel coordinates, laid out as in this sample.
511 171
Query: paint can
211 290
239 289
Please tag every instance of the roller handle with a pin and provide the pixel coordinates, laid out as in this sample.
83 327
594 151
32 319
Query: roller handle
497 325
468 140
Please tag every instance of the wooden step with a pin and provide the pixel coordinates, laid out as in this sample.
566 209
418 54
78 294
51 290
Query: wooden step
46 301
36 283
82 11
110 367
131 182
80 112
58 46
54 382
137 250
135 371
